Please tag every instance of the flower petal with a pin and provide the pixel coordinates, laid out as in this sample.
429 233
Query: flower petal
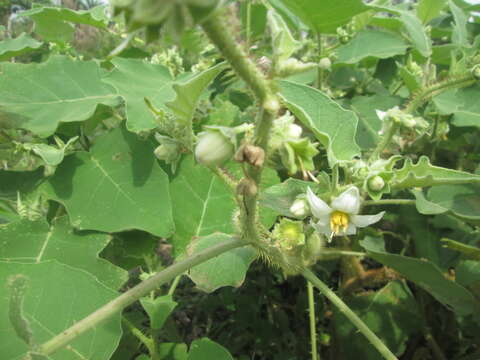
365 220
348 201
381 114
322 228
318 207
351 230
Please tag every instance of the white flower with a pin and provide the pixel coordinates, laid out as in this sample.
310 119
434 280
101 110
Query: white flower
341 217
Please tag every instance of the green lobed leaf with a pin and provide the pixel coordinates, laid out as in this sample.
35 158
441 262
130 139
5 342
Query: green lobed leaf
462 103
116 186
38 97
369 124
18 46
371 43
423 174
57 296
332 125
462 200
327 15
204 348
227 269
390 312
158 309
53 23
35 241
429 9
427 275
136 80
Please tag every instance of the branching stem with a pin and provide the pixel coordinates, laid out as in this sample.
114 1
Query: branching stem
118 304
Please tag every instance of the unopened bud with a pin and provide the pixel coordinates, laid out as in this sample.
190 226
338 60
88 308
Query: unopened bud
315 245
325 63
300 208
294 131
213 148
376 183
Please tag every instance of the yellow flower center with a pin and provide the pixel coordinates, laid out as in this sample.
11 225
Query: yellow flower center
338 221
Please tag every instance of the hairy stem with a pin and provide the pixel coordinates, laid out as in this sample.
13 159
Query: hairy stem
313 325
218 32
344 309
419 98
118 304
145 340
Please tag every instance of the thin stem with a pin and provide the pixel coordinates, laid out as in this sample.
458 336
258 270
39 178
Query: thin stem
145 340
343 308
344 253
387 138
118 304
174 284
389 202
313 326
335 177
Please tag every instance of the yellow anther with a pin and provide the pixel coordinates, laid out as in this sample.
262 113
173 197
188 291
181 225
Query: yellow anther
338 221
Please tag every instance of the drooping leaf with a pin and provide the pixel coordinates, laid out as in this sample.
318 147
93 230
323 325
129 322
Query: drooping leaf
423 174
417 33
204 348
429 9
227 269
201 203
460 34
284 44
136 80
158 309
35 241
332 125
414 28
53 23
38 97
390 312
369 124
57 296
371 43
462 200
327 15
188 94
426 275
17 46
462 103
116 186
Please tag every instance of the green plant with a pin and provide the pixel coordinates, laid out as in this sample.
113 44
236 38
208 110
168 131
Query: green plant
202 138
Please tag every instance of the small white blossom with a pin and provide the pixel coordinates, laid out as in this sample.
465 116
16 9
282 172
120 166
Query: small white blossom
341 217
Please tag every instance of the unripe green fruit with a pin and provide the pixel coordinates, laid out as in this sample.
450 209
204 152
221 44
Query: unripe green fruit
213 148
376 183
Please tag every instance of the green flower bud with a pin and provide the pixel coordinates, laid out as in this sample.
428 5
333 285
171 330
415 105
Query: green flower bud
325 63
376 183
213 148
300 207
